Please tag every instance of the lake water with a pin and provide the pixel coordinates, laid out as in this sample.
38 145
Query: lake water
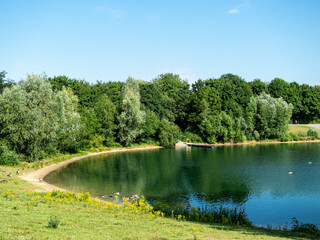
255 177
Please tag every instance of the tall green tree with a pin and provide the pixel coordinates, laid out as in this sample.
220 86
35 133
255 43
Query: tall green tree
273 116
169 133
4 82
234 93
69 127
131 117
28 120
106 115
176 95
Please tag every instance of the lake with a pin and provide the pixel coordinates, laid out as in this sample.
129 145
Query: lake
252 176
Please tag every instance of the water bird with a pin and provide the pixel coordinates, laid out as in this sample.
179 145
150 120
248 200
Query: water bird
309 162
9 175
116 193
3 170
40 179
18 171
290 173
4 181
135 196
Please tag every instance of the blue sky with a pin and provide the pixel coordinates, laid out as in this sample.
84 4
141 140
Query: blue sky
111 40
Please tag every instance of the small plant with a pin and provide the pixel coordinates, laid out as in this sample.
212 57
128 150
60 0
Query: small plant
303 227
313 132
53 221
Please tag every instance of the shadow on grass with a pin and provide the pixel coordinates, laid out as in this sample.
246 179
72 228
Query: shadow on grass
256 231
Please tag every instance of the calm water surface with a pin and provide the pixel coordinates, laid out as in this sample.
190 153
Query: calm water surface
254 177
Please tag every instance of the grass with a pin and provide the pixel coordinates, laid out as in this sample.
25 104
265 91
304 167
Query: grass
25 214
296 129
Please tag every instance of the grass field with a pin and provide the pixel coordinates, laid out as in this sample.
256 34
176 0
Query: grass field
25 214
296 129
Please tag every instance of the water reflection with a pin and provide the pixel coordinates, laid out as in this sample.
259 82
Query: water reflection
255 177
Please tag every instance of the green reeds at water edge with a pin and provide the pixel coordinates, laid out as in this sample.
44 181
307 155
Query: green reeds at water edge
222 214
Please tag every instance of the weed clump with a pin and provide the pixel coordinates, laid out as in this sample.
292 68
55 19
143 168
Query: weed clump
53 221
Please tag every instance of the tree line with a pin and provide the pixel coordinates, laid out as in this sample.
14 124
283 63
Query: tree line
43 115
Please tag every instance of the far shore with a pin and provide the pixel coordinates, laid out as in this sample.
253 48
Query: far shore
34 176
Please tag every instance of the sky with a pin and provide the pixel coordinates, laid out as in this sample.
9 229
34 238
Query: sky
112 40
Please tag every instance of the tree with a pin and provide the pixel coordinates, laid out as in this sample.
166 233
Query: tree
29 124
169 133
4 82
150 127
106 115
234 93
258 87
273 116
69 132
131 117
176 97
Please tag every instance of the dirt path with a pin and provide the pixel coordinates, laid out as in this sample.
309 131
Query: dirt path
314 125
34 176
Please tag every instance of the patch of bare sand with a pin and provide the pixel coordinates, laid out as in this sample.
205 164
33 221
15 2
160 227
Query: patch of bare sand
35 176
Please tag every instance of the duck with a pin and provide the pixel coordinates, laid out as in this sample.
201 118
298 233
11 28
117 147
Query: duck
309 162
9 175
290 173
116 193
18 171
40 179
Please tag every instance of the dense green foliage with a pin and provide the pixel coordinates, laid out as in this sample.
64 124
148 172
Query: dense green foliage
41 115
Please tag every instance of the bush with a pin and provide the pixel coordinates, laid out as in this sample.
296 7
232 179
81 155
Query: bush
192 137
8 157
53 221
301 227
313 132
96 141
169 133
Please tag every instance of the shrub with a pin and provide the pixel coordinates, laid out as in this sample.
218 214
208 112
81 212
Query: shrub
301 227
192 137
53 221
169 133
313 132
8 157
302 134
96 141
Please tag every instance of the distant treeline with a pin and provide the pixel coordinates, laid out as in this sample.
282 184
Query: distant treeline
42 115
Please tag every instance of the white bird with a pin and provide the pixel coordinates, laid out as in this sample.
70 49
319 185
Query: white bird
290 173
40 179
116 193
309 162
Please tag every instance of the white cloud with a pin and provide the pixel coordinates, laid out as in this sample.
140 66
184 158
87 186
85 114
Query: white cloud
233 11
113 12
237 8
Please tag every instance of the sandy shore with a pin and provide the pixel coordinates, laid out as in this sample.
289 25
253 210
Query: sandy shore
34 176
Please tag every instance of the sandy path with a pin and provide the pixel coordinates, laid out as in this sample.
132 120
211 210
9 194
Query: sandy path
34 176
314 125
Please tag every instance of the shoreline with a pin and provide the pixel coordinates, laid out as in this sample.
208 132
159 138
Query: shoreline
34 176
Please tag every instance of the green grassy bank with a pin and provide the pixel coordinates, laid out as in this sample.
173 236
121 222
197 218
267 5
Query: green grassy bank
25 214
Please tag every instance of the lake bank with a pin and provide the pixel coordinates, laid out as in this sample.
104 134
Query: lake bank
34 177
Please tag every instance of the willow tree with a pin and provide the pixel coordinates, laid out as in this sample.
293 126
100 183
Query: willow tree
272 116
27 119
131 117
69 125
